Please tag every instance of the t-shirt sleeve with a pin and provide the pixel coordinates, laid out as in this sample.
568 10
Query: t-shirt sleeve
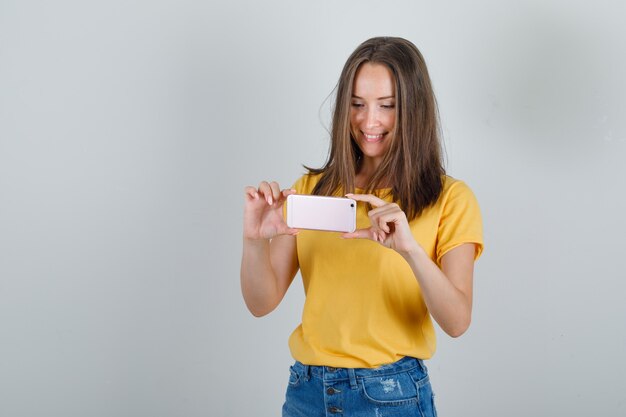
460 221
305 184
300 186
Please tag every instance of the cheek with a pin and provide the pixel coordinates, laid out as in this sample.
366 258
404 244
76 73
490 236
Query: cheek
354 121
390 121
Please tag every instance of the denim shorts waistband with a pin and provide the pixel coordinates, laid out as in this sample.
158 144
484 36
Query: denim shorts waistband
326 372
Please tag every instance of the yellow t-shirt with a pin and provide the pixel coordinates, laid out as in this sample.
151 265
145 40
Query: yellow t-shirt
363 306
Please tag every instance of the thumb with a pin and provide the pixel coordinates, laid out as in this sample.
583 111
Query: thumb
360 234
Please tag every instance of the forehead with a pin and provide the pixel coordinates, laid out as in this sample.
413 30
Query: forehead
373 80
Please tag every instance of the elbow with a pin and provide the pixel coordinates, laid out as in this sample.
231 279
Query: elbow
258 305
258 313
457 332
259 310
459 329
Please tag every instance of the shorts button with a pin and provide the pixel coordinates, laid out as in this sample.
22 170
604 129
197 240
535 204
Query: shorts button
335 410
331 369
330 391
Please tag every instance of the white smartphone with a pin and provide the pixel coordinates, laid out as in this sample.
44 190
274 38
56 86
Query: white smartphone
335 214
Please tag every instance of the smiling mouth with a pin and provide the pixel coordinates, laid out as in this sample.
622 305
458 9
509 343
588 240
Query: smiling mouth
373 138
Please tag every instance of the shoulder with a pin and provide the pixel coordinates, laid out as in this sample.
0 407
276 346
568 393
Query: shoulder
455 188
460 219
306 183
457 198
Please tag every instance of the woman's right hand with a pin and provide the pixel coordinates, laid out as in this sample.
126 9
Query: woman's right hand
263 212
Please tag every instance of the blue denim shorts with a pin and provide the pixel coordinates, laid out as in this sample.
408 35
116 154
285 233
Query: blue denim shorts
398 389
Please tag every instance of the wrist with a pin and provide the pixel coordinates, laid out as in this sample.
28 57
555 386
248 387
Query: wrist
255 241
414 252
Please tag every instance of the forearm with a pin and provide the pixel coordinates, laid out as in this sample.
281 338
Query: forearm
447 304
258 280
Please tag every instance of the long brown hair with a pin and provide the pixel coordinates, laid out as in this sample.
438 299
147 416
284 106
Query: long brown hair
413 165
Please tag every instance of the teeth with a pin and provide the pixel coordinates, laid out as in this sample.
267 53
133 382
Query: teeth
373 136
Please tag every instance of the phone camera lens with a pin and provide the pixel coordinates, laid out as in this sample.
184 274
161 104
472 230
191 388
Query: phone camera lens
351 204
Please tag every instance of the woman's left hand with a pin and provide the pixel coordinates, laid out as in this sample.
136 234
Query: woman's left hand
390 226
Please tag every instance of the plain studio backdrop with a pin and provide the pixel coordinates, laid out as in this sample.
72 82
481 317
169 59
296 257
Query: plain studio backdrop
128 130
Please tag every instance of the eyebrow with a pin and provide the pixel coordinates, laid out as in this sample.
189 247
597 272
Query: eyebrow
379 98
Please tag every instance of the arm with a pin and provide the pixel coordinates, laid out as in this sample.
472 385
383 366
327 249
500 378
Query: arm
447 291
269 262
267 270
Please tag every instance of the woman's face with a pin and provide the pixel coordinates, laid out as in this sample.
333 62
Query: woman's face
372 111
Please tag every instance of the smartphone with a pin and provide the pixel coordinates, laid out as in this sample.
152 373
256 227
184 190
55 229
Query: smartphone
335 214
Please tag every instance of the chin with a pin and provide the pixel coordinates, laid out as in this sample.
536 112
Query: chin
377 150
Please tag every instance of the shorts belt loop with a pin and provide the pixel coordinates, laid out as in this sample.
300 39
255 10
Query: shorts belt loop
422 366
352 376
307 372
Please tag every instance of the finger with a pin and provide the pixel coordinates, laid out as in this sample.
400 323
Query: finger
275 190
387 208
382 225
392 216
384 218
266 191
285 193
368 233
379 219
368 198
389 211
251 192
286 230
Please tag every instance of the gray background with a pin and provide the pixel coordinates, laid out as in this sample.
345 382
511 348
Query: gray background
128 130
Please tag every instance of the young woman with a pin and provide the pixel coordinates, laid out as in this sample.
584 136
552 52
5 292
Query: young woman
370 295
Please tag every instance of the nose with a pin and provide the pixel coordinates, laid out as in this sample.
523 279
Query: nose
371 118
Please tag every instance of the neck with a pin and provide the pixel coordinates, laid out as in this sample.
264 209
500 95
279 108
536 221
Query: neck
366 170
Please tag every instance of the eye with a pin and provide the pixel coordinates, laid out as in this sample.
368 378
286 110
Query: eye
357 105
388 106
